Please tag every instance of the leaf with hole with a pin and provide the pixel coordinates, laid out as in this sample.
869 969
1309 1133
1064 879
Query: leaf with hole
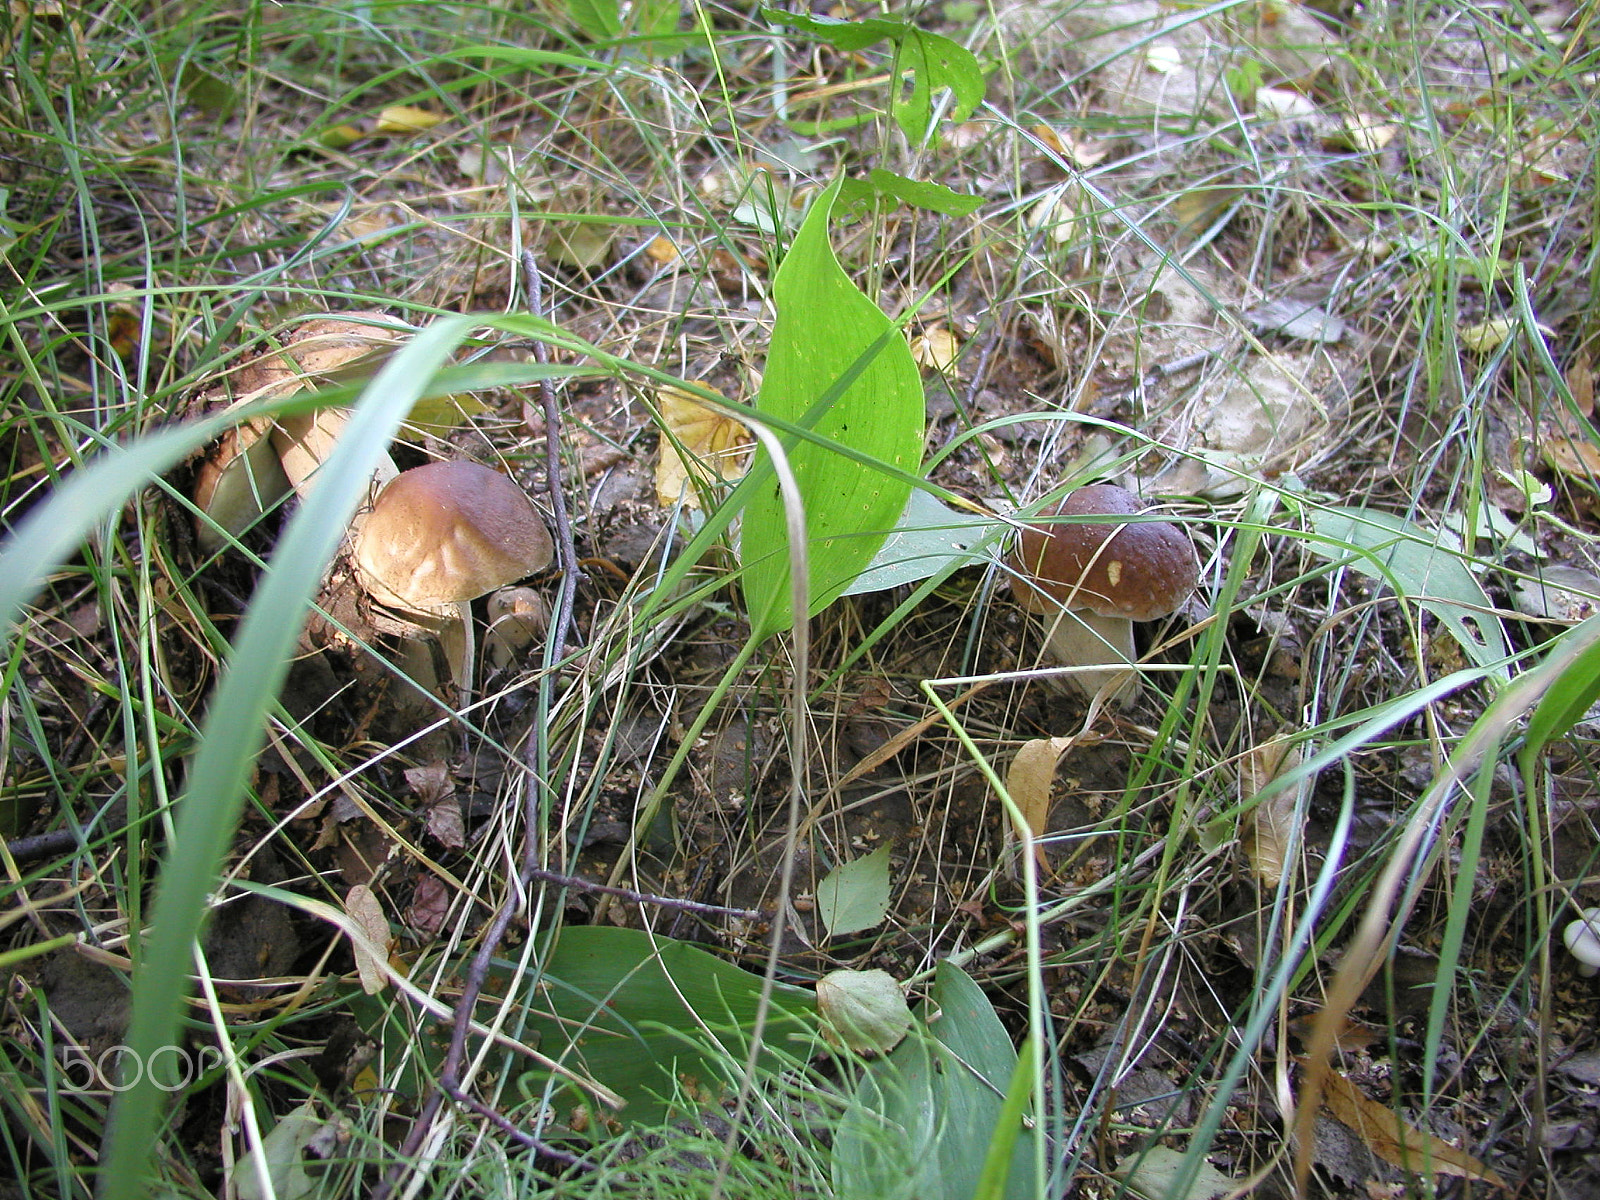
934 63
1411 560
929 538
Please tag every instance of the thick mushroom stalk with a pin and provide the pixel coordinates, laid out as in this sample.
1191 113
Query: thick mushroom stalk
441 535
1092 580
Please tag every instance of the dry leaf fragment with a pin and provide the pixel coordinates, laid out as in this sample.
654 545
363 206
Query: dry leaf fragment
363 906
1029 780
937 349
662 251
1483 336
717 446
1397 1142
1362 133
1270 827
1078 151
403 118
1579 458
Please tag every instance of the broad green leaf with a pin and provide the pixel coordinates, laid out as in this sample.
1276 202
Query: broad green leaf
1158 1172
855 895
1572 692
1409 559
285 1152
926 1116
839 367
928 538
881 185
864 1010
600 19
650 1017
934 62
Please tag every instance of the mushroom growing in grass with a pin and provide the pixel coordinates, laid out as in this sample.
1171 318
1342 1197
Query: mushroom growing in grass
1093 579
441 535
1583 940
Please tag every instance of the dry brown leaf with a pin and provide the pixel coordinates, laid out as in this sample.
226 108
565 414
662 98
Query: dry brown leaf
717 446
1080 152
1394 1141
1029 780
1580 382
1270 826
1579 458
367 912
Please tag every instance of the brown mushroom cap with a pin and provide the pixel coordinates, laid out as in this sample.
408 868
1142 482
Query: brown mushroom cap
1136 570
446 533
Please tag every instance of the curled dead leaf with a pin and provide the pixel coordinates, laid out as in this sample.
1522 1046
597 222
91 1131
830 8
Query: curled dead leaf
1271 826
1395 1141
1029 781
697 444
937 349
364 908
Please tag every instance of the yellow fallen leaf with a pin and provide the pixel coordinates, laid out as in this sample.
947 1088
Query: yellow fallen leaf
1029 780
1362 133
1484 336
717 447
579 246
402 118
1577 457
1270 826
1394 1141
662 251
937 350
367 912
439 416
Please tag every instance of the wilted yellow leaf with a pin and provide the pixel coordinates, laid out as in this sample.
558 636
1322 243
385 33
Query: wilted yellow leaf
579 246
367 912
402 118
1362 133
717 446
662 251
1270 826
1077 151
1394 1141
937 350
437 416
1484 336
1032 772
1197 209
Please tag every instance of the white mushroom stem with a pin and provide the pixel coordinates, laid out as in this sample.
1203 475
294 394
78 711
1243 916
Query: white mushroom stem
459 641
1079 638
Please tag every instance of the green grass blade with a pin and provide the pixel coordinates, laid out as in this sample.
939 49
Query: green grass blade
233 734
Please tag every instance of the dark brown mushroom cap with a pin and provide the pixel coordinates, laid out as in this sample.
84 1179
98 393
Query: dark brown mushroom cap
1138 570
448 532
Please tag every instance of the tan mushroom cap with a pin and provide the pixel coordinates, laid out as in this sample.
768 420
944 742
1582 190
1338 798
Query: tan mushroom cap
1137 570
446 533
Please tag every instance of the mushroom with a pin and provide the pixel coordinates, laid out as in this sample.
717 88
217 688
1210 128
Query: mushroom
1583 940
1093 580
441 535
